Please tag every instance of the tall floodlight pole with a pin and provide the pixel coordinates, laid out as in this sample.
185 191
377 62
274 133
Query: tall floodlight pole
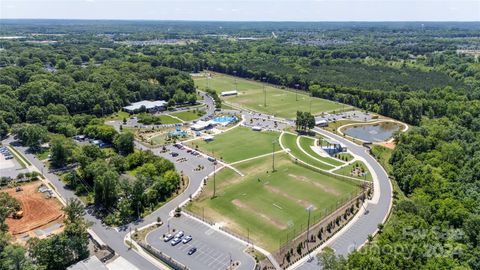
308 230
264 92
310 104
235 74
273 155
296 91
214 163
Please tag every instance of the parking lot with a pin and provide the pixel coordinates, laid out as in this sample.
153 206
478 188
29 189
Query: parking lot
9 166
350 115
212 246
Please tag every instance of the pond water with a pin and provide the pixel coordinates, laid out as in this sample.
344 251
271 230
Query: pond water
373 133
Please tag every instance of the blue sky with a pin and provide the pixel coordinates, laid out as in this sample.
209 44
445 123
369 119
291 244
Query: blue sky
246 10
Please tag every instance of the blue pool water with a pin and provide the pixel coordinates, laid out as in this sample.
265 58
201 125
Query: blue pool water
225 119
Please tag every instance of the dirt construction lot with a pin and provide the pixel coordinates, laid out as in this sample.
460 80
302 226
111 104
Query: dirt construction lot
38 211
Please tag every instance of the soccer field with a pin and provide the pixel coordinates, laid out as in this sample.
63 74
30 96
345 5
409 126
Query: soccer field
238 144
282 103
270 207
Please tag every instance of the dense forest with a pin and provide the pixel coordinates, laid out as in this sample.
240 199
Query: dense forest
65 78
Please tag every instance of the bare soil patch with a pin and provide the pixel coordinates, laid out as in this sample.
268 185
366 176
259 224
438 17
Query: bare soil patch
38 211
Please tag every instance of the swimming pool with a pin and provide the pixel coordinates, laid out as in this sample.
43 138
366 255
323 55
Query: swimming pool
225 119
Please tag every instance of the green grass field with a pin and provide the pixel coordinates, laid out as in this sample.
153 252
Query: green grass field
238 144
280 102
306 142
290 141
271 206
186 115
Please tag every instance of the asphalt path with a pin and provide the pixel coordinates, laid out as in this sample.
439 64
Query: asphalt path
114 237
213 246
376 213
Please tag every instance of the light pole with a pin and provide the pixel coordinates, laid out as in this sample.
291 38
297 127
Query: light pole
264 92
296 91
273 155
310 104
235 74
214 163
308 230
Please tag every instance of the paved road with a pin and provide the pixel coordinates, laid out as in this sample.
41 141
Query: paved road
115 237
366 225
215 244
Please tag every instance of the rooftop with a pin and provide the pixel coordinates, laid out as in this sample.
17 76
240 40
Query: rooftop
148 105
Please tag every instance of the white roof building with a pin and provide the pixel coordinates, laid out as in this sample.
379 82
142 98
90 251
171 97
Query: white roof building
149 105
229 93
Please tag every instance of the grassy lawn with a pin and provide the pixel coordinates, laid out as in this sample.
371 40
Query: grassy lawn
43 154
238 144
187 115
306 142
349 169
165 119
269 205
290 141
280 102
119 116
344 156
383 154
333 126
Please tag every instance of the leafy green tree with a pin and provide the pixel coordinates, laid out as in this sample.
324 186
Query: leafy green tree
329 261
61 151
105 188
124 143
31 135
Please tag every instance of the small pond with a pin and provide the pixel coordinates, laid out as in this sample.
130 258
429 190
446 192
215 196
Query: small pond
374 132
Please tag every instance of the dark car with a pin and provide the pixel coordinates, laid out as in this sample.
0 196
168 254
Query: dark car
192 250
174 154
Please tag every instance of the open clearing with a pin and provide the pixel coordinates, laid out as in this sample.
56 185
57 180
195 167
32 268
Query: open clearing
186 115
269 207
280 102
38 211
238 144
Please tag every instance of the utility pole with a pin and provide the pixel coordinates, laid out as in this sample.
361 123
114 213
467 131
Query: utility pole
273 155
310 104
235 74
264 92
308 230
214 186
130 227
296 91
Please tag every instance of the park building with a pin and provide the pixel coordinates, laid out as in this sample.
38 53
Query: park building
321 123
333 147
229 93
150 106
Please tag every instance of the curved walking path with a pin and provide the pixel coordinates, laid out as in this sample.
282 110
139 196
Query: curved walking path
376 211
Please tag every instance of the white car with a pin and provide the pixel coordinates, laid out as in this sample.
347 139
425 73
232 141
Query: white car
168 237
179 234
175 241
187 239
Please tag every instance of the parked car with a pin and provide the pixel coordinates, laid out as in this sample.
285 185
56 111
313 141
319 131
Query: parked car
192 250
187 239
179 234
168 237
174 154
175 241
211 159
